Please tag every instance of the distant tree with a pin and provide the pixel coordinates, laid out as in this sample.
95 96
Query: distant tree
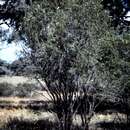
6 89
21 66
26 90
4 68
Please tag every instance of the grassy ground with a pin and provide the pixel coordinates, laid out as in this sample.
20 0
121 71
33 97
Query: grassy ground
23 111
23 114
27 114
15 80
19 108
26 118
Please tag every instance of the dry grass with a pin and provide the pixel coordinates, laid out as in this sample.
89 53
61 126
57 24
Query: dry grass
15 80
36 95
37 103
26 114
98 118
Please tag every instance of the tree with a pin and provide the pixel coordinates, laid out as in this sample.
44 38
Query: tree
117 9
21 67
124 52
68 42
13 11
4 68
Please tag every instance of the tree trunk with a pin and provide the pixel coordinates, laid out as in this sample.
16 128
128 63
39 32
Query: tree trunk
68 121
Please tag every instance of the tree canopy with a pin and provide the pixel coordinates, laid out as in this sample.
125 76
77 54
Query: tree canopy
14 11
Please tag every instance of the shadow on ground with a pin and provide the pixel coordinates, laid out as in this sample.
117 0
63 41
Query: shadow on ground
16 124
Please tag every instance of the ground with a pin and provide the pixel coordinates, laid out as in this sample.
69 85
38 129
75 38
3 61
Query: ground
36 107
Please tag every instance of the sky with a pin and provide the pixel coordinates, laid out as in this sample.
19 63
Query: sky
127 16
2 2
9 52
12 51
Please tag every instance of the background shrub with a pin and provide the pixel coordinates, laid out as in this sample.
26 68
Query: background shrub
21 90
25 90
6 89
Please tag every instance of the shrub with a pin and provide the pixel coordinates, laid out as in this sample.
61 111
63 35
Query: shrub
21 90
6 89
25 90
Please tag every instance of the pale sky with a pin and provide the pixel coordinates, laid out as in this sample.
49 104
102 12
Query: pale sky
2 2
9 52
127 16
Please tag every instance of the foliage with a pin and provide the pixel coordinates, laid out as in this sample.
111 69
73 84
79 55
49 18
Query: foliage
117 10
4 68
13 11
21 90
25 90
20 66
74 50
6 89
